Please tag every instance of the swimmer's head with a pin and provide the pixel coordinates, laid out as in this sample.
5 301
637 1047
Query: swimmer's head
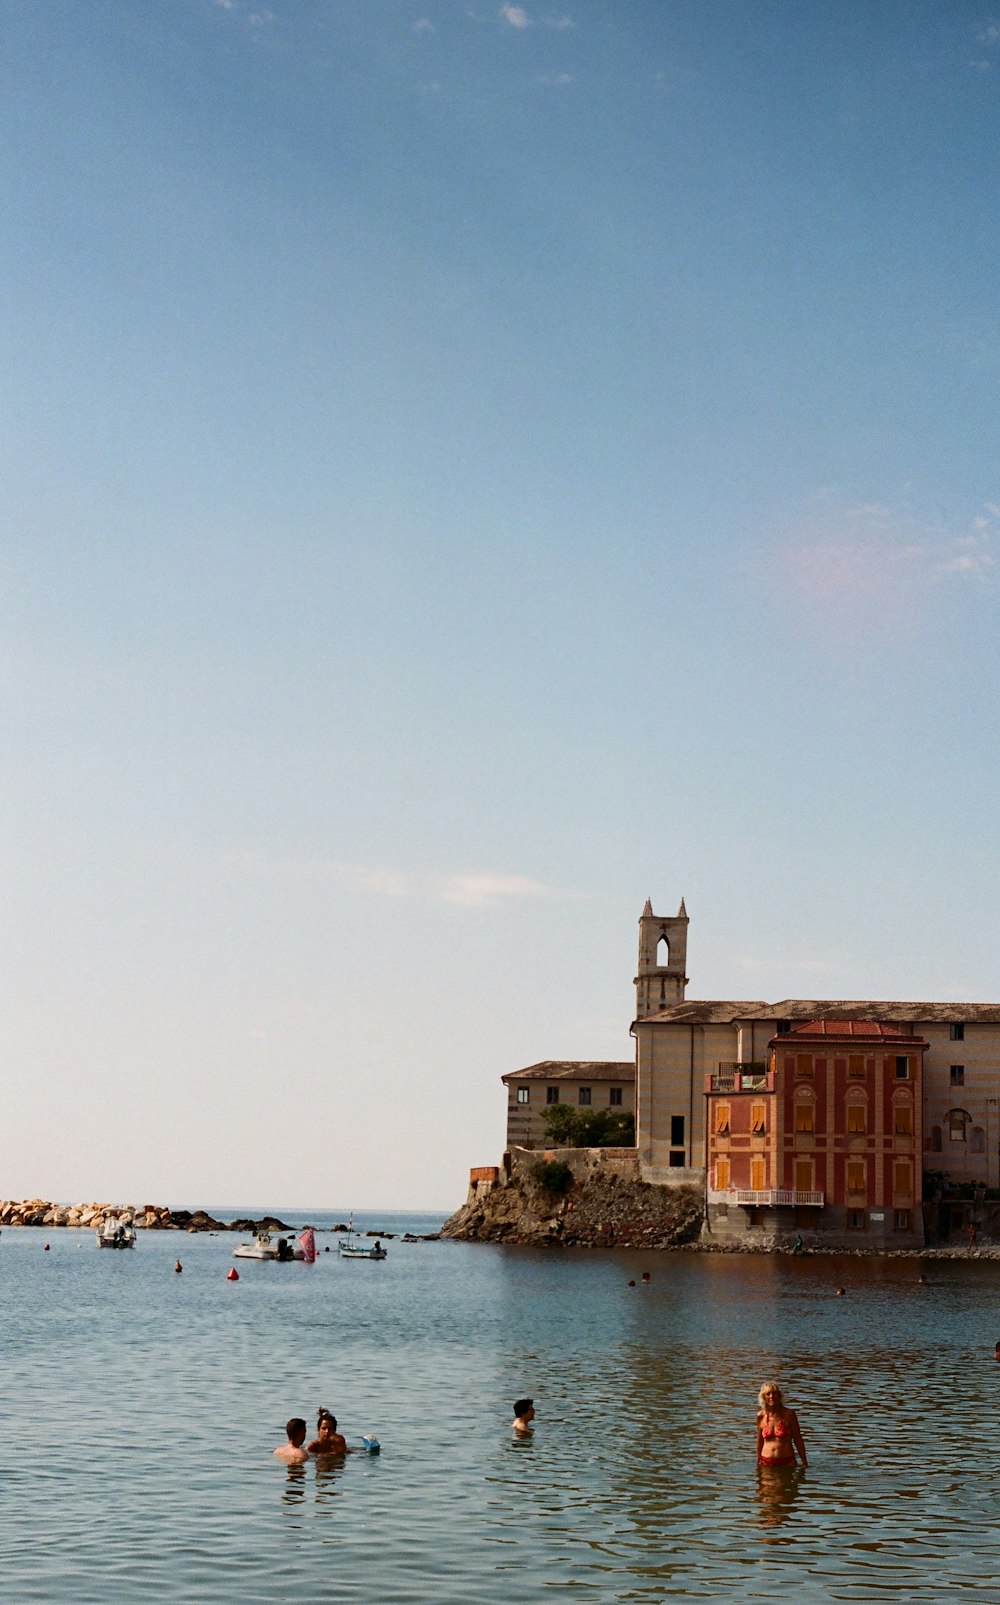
296 1429
325 1417
770 1397
523 1407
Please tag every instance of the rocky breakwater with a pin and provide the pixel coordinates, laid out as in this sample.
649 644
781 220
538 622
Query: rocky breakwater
575 1197
152 1217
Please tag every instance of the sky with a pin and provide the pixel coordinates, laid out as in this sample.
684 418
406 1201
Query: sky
466 469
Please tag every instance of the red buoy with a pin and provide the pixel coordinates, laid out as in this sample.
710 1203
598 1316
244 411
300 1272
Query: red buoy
232 1275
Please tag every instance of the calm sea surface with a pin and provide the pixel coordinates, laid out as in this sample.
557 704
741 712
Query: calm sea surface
141 1407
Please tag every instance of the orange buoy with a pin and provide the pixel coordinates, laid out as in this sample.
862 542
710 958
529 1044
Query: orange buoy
232 1275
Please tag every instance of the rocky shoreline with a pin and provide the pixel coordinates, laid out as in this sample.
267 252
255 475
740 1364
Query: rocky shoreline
151 1217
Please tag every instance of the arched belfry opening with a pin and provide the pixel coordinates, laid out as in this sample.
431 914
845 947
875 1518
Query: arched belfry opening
661 980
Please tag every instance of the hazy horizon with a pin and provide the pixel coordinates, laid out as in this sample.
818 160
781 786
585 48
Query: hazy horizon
468 469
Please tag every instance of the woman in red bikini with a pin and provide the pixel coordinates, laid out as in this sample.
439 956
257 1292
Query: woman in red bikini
778 1431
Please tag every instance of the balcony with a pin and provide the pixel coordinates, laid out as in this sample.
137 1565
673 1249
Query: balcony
776 1197
749 1075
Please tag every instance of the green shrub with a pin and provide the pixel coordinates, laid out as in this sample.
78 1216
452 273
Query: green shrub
552 1174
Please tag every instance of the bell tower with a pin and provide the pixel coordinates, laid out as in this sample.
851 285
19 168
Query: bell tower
662 961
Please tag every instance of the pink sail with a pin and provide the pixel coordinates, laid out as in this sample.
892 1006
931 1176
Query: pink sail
307 1243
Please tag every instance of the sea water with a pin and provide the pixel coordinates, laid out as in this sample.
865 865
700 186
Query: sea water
140 1409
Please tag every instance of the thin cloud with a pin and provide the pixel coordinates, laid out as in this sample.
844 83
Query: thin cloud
423 25
471 889
515 17
486 890
554 78
874 563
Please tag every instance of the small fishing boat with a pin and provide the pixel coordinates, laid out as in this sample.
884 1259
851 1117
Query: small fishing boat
117 1232
263 1248
355 1250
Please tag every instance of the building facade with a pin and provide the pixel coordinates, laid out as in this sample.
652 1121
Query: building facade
583 1083
823 1136
680 1044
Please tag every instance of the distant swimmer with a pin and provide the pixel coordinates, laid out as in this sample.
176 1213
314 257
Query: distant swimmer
328 1441
292 1452
631 1284
524 1415
996 1352
921 1277
177 1265
646 1278
778 1431
840 1292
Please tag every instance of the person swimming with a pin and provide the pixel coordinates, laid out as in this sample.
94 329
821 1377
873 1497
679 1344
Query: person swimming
524 1415
328 1441
778 1433
292 1452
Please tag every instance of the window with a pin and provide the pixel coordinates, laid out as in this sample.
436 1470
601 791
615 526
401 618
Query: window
804 1064
758 1175
856 1066
901 1220
902 1067
615 1098
757 1113
956 1120
936 1143
584 1098
857 1220
902 1120
856 1113
783 1026
803 1116
677 1131
977 1140
552 1095
722 1120
523 1095
855 1175
803 1175
676 1160
957 1073
956 1031
902 1177
721 1175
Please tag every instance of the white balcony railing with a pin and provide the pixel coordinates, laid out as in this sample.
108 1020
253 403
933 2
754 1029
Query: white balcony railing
756 1196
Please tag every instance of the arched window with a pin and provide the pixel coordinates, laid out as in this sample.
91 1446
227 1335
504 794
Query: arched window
977 1140
805 1106
902 1114
662 953
857 1111
956 1123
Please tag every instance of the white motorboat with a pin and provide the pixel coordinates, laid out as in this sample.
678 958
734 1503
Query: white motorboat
263 1248
351 1249
117 1232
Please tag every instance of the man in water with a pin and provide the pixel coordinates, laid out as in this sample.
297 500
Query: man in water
292 1452
524 1415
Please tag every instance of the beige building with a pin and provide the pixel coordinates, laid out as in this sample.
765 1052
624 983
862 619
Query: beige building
680 1043
583 1083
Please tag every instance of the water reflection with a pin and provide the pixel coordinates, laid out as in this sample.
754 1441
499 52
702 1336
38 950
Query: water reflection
294 1490
777 1490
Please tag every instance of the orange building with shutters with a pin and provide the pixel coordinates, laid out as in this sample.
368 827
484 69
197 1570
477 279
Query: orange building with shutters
823 1138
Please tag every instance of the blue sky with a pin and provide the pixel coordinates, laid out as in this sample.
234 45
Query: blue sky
466 468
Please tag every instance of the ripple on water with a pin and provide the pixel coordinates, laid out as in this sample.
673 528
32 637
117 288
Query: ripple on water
141 1409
